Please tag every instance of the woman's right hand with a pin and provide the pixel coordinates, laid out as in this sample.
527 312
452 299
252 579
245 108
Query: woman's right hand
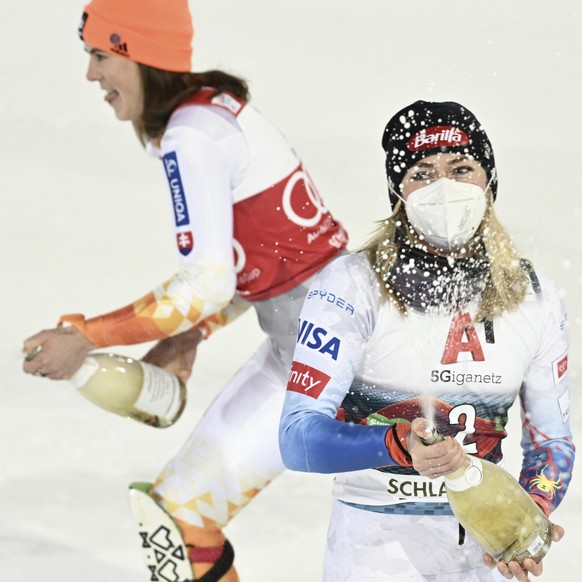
176 354
55 353
514 571
435 460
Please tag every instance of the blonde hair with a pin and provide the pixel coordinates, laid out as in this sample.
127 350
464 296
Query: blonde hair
507 282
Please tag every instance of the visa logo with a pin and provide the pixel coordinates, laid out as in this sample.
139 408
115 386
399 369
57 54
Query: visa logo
317 338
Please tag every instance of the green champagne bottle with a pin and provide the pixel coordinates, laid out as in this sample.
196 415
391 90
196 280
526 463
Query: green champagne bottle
495 509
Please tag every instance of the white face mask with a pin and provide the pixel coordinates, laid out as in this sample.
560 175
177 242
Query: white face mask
447 213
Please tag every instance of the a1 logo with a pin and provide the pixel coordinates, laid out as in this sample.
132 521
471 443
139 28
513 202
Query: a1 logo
462 338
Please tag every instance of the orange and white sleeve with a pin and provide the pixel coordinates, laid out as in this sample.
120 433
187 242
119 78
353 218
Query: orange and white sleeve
199 172
172 308
223 317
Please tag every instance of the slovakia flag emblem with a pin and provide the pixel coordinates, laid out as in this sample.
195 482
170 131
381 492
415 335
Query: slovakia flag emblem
185 242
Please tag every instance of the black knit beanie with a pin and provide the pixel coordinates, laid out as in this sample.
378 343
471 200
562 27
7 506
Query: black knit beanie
426 128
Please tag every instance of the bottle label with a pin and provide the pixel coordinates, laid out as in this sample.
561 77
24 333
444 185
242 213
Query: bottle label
472 476
535 546
160 394
88 369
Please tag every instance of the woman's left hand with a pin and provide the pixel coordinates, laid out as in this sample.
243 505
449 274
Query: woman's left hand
513 570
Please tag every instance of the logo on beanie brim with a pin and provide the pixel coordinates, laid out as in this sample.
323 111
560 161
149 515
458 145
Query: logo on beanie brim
82 25
117 46
437 136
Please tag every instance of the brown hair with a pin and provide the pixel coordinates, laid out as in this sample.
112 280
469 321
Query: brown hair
163 91
507 283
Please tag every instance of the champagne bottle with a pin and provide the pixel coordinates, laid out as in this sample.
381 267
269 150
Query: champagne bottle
131 388
495 509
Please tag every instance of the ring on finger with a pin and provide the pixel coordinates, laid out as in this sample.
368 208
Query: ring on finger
33 353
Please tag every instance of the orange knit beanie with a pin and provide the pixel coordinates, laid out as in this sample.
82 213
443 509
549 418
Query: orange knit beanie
157 33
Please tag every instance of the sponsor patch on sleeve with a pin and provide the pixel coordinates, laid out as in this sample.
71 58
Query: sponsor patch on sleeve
560 368
307 380
331 298
564 403
185 242
177 189
228 102
318 338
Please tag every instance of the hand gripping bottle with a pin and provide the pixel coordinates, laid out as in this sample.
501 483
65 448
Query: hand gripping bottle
131 388
495 509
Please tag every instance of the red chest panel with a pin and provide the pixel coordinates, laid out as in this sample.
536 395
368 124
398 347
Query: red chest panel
283 235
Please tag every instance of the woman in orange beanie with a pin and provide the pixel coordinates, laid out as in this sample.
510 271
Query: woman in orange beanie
250 230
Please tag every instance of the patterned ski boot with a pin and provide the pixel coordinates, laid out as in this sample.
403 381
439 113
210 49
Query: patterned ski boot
167 556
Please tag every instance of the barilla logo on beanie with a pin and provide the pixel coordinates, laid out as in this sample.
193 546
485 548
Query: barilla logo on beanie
445 127
437 136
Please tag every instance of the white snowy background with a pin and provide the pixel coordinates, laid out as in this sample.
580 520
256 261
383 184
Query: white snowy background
85 227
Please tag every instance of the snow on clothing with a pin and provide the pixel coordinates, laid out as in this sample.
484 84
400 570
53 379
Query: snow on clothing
360 365
234 183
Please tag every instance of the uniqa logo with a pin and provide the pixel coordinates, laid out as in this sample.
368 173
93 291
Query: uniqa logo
313 199
175 181
171 165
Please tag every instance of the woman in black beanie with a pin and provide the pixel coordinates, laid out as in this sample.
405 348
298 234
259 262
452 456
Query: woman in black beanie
439 317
